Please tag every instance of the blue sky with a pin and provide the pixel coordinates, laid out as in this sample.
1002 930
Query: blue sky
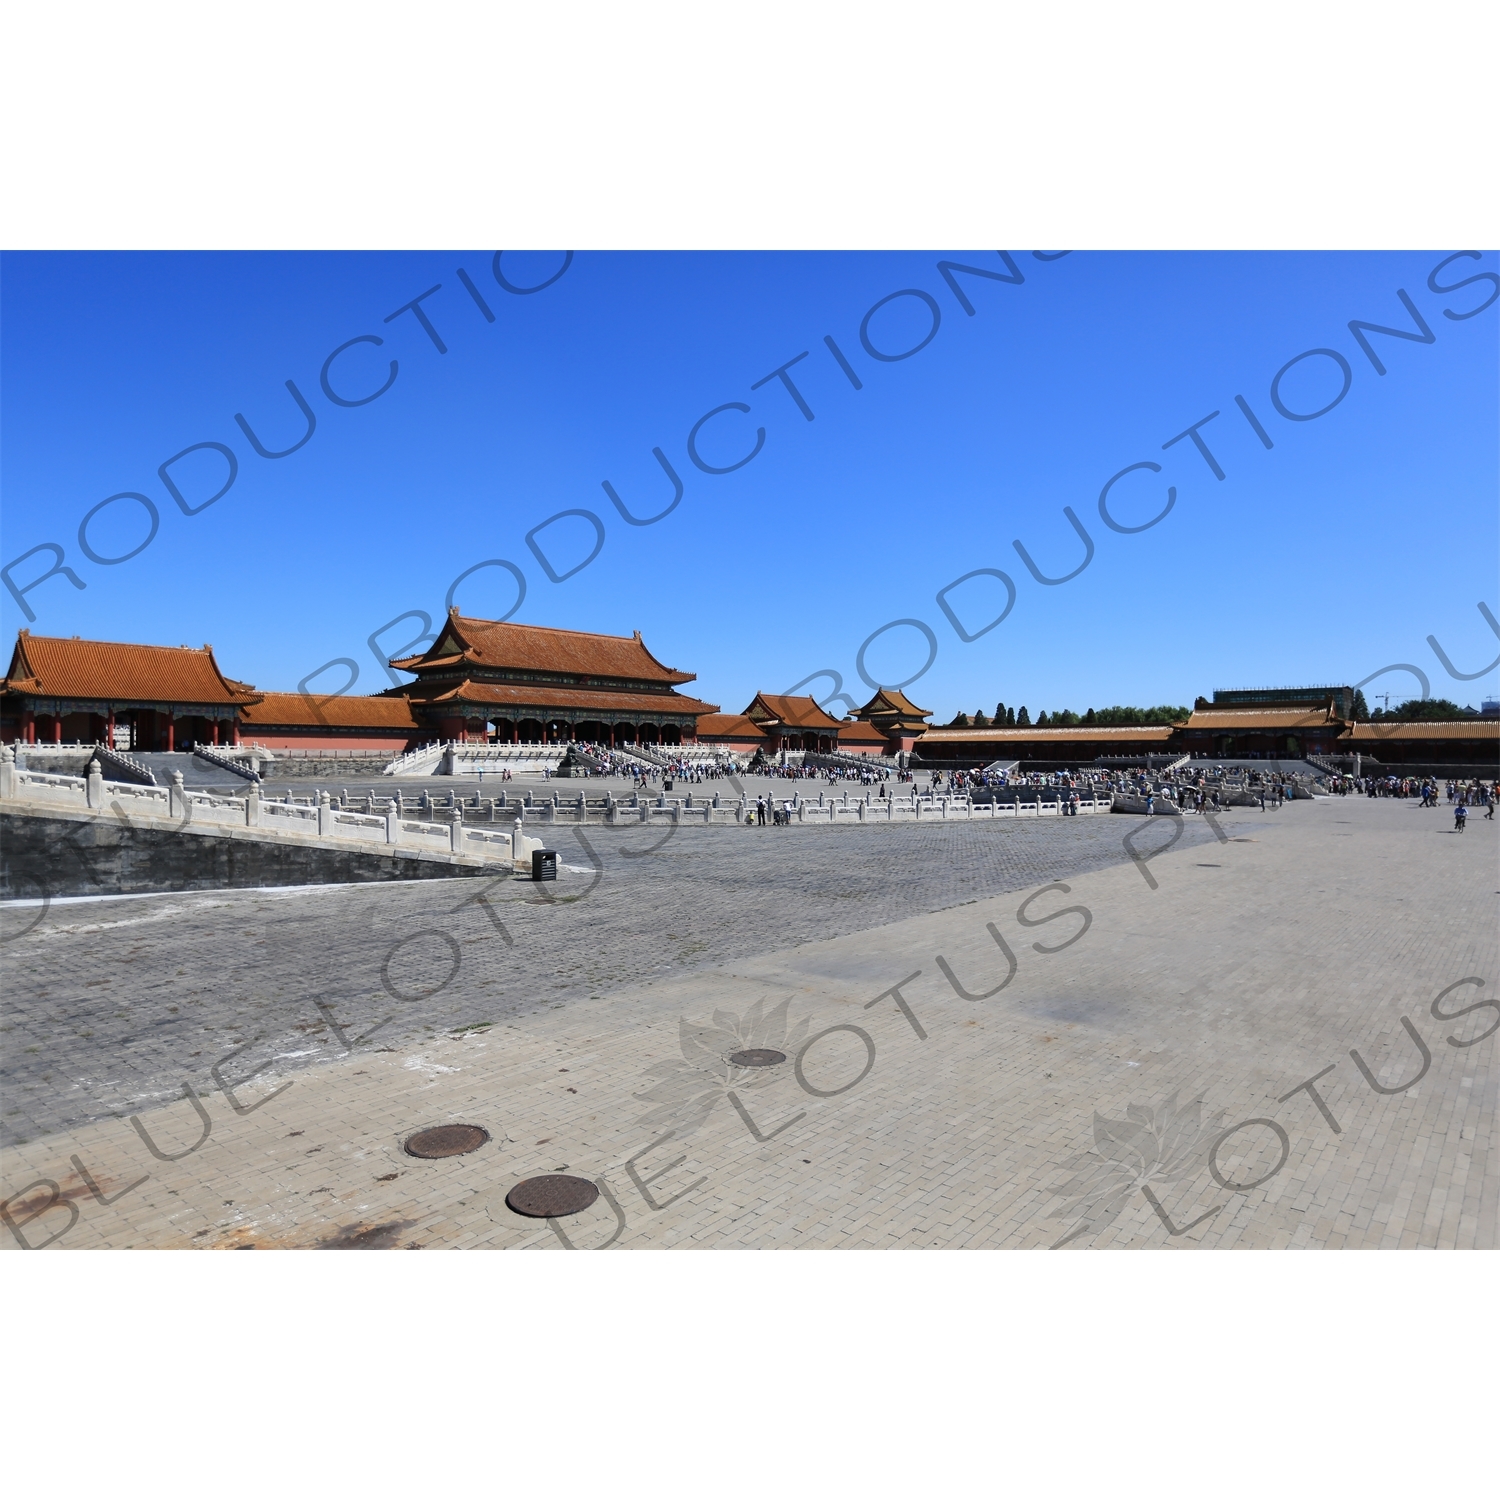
1337 551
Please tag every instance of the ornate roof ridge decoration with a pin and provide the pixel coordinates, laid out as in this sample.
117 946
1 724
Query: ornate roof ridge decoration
120 671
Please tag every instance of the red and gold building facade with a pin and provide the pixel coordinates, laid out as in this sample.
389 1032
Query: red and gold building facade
106 692
773 723
517 684
522 684
481 680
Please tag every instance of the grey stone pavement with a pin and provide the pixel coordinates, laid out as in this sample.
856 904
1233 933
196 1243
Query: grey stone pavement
1121 1063
113 1005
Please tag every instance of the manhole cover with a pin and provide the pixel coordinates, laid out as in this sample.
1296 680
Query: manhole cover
446 1140
757 1057
552 1196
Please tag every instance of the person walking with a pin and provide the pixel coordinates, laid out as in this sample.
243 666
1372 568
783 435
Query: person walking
760 812
1460 817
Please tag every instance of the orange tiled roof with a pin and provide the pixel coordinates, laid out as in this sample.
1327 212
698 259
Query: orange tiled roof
306 710
1248 720
792 712
540 648
728 727
51 667
1422 729
1071 732
861 732
543 698
893 701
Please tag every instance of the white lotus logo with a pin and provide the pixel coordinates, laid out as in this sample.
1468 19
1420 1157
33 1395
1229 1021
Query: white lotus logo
1150 1146
687 1092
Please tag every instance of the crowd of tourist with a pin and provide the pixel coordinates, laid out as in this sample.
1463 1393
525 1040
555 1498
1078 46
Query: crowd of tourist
1194 787
610 762
1460 792
872 775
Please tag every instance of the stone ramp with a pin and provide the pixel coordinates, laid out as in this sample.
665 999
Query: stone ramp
67 836
66 854
195 772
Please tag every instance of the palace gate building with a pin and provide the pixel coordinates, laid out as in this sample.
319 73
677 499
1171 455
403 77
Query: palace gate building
123 696
535 684
774 722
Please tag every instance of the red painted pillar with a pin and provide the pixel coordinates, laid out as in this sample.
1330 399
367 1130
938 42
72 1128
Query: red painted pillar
234 732
171 728
57 729
216 731
28 726
109 728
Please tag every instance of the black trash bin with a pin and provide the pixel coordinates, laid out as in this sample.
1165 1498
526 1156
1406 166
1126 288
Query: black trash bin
544 864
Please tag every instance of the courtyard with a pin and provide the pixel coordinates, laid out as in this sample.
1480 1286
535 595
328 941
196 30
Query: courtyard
1275 1031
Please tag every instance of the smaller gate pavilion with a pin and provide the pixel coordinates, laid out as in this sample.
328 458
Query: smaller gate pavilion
123 696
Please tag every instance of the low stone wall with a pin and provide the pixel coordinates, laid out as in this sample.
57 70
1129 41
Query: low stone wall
827 811
67 762
325 769
80 854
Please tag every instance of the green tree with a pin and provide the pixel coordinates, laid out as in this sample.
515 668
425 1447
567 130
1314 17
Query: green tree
1010 718
959 721
1359 708
1000 715
1428 708
1128 717
1041 720
980 722
1023 719
1090 718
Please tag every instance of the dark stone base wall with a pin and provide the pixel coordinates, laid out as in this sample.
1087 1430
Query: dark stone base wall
1443 770
47 856
331 770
